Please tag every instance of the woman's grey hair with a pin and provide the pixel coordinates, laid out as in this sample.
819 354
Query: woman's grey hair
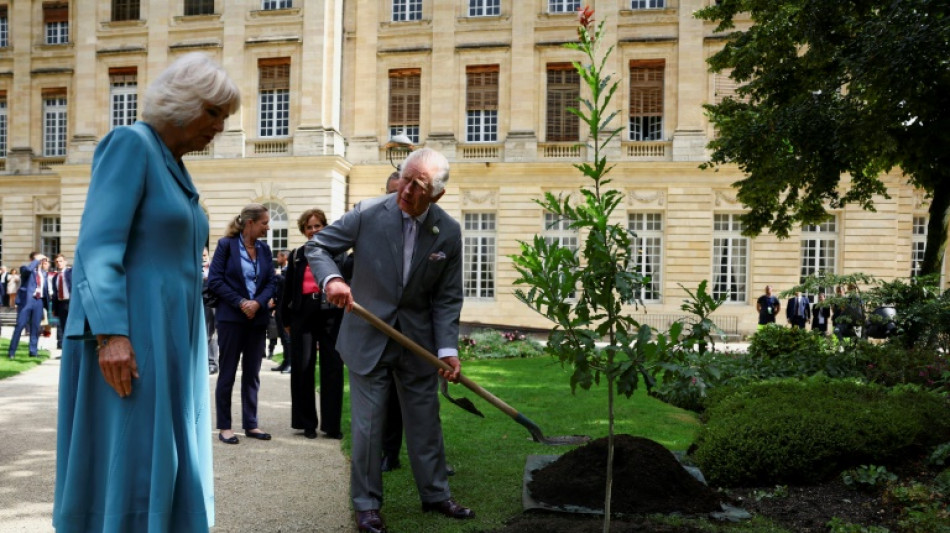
179 93
250 212
432 162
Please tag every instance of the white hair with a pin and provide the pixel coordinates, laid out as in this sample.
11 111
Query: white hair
178 94
431 162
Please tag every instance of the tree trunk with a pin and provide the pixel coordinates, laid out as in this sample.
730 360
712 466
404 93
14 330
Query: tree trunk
937 228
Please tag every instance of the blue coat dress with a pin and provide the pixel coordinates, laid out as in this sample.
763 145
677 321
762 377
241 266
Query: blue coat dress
141 463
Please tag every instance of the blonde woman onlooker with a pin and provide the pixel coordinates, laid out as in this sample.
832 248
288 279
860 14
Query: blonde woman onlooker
13 285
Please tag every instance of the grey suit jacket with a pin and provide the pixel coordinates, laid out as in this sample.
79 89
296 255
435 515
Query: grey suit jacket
426 310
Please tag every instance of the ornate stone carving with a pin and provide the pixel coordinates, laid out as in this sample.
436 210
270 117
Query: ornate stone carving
479 198
46 205
647 197
724 198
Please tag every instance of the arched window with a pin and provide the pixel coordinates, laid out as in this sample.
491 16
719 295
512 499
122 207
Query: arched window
277 235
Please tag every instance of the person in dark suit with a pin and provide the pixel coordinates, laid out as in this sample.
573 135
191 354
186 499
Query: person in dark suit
311 322
4 279
798 310
820 315
242 275
392 433
62 288
407 272
281 332
31 301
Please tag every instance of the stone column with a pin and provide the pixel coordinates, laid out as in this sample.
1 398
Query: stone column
20 153
230 142
521 141
443 111
689 138
320 81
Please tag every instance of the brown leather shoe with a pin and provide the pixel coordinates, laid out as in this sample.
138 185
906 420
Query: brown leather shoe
449 508
370 522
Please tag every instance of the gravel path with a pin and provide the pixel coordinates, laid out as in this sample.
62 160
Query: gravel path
287 484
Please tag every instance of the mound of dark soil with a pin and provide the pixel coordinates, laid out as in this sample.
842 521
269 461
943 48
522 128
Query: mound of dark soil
647 479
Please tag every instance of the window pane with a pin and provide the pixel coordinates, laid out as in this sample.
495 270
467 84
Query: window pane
819 249
484 8
563 6
478 255
647 253
277 234
730 258
54 127
125 10
647 4
404 10
123 94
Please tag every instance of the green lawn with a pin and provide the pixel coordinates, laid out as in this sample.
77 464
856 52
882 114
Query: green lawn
22 362
489 453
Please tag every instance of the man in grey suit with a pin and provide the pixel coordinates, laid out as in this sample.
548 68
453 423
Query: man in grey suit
408 272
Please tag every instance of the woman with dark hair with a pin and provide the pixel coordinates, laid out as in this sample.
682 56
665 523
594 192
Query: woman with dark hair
242 275
312 322
133 439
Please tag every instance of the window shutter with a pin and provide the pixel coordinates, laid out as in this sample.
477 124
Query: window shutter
3 12
55 12
405 87
274 73
562 92
646 87
482 92
123 74
53 92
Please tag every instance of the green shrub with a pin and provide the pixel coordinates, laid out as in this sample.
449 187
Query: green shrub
867 477
837 525
941 455
491 344
776 352
891 364
790 431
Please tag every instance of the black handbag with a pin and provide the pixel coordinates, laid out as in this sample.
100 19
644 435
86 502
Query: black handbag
210 298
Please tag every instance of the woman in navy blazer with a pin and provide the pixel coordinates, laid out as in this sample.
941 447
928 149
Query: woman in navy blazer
242 275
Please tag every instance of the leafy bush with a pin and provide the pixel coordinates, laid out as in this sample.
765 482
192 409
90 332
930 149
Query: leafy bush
790 431
941 455
837 525
867 477
491 344
891 364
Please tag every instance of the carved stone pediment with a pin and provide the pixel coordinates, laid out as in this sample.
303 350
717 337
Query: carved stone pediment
474 198
646 197
46 205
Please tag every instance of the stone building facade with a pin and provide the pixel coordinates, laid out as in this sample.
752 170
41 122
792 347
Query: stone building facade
327 83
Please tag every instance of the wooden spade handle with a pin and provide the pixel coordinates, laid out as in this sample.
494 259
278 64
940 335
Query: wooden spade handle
432 359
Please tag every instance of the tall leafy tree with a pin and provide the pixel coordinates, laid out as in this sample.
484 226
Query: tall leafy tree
832 94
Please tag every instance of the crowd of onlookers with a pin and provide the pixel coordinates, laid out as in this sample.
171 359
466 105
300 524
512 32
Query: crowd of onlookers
844 315
39 294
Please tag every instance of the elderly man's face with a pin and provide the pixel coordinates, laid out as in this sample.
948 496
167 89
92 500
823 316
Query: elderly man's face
414 192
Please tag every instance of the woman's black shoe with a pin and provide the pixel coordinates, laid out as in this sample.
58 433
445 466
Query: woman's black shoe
259 435
232 440
310 433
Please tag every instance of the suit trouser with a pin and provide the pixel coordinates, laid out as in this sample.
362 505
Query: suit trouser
392 434
797 321
234 340
212 341
62 312
418 397
31 314
315 326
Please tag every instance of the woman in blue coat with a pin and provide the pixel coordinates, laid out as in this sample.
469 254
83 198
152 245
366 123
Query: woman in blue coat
242 275
133 446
